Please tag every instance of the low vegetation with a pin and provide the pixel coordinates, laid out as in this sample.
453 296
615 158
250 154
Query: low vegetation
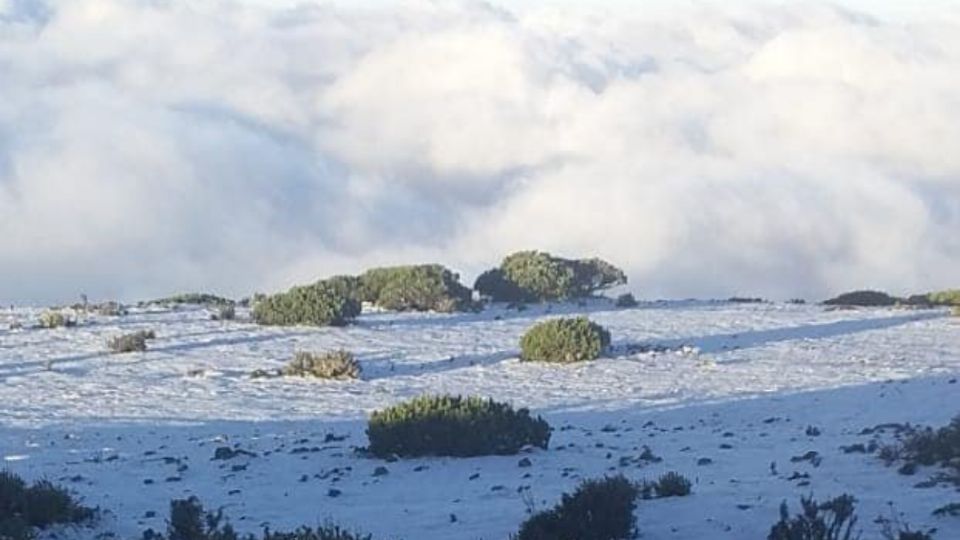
597 510
564 340
26 508
864 298
831 520
671 484
536 276
190 521
928 447
200 299
329 365
454 426
626 301
56 319
424 287
131 342
226 312
325 303
949 297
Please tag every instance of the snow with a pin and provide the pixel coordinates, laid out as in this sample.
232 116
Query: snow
130 432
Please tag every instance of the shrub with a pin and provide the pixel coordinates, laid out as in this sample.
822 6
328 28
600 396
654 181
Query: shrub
950 297
535 276
672 484
956 311
132 342
226 312
330 365
321 304
425 287
24 508
454 426
189 521
832 520
564 340
626 301
597 510
862 298
110 309
56 319
201 299
933 446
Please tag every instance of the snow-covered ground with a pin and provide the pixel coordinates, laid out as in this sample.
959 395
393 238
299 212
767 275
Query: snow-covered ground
738 385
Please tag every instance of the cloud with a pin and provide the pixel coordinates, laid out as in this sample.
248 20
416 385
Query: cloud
151 147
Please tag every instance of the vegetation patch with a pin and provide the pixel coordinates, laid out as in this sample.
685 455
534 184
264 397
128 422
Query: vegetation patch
536 276
329 365
831 520
863 299
424 287
26 508
927 447
454 426
324 303
949 297
626 301
564 340
200 299
132 342
597 510
56 319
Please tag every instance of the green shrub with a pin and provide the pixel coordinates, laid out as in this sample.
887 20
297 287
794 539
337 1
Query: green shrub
672 484
329 365
956 311
949 297
626 301
132 342
564 340
25 508
321 304
832 520
56 319
863 298
109 309
933 446
201 299
454 426
535 276
597 510
425 287
226 312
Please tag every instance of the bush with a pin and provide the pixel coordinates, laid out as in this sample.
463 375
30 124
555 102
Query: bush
132 342
950 297
956 311
832 520
330 365
564 340
933 446
535 276
109 309
454 426
321 304
672 484
626 301
24 508
189 521
226 312
597 510
425 287
56 319
201 299
863 298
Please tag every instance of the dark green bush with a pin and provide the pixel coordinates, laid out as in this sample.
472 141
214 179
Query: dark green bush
536 276
832 520
564 340
424 287
25 508
454 426
626 301
863 298
597 510
132 342
933 446
226 312
949 297
672 484
321 304
330 365
202 299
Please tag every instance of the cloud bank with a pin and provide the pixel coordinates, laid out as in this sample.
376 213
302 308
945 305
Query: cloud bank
148 147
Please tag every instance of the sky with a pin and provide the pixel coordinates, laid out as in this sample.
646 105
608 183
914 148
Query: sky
777 149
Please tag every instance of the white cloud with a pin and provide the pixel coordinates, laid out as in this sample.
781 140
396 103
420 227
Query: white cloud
151 147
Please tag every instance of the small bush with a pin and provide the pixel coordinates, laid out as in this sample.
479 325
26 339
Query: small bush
672 484
950 297
863 299
535 276
454 426
425 287
956 311
564 340
226 312
330 365
200 299
110 309
132 342
56 319
597 510
24 508
321 304
626 301
933 446
832 520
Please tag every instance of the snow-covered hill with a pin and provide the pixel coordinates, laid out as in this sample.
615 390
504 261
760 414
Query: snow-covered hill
724 393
